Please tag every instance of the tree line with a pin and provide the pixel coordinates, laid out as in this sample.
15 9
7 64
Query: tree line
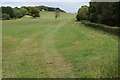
101 12
45 8
14 13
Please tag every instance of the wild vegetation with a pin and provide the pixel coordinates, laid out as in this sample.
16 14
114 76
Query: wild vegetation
34 12
101 12
45 8
83 13
13 13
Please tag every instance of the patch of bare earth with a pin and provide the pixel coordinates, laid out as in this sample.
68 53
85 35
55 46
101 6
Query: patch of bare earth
27 16
12 39
105 35
77 42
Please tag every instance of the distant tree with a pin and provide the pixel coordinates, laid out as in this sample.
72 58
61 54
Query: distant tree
38 8
17 13
45 8
60 10
24 11
57 13
34 12
25 7
8 10
82 13
5 16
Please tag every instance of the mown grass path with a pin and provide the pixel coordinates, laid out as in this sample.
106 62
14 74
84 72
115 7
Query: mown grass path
63 48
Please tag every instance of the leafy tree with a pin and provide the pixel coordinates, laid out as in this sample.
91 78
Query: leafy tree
34 12
27 8
45 8
24 11
5 16
82 13
17 13
101 12
105 12
116 13
8 10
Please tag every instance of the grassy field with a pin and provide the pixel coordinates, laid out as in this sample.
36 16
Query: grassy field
62 48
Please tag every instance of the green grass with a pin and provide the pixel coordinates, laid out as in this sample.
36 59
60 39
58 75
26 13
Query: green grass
62 48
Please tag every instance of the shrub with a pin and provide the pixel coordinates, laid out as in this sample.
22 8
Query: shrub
105 13
8 10
23 11
5 16
17 13
82 13
34 12
108 29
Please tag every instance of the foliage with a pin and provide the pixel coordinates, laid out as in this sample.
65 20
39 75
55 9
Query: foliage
108 29
5 16
102 12
17 13
45 8
34 12
82 13
105 12
24 11
8 10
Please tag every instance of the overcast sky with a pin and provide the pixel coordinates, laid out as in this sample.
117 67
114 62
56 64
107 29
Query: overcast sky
70 6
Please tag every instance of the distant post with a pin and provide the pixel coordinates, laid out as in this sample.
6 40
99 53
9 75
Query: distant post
57 13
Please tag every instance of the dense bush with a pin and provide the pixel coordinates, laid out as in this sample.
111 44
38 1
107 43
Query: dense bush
105 13
82 13
17 13
101 12
20 12
34 12
8 10
108 29
5 16
45 8
23 11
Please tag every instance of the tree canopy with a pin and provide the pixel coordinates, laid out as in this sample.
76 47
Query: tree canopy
8 10
10 13
34 12
101 12
82 13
